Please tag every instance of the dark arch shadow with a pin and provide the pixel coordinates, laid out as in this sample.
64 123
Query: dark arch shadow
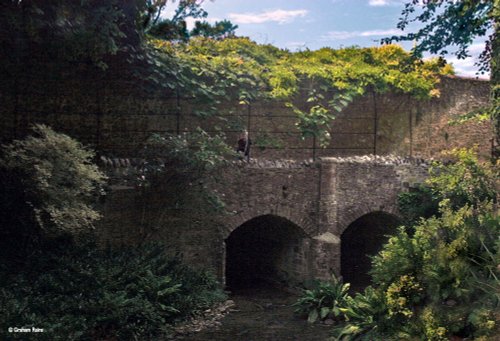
264 251
364 238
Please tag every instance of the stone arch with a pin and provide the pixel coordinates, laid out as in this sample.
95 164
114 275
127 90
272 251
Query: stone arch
249 212
266 250
363 238
363 209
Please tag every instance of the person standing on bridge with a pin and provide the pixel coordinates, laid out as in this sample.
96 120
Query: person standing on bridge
244 143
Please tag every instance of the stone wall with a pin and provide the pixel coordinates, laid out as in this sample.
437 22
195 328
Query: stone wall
117 118
322 198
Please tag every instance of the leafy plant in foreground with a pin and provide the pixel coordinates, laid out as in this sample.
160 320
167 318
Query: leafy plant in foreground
84 293
442 280
323 301
365 315
50 188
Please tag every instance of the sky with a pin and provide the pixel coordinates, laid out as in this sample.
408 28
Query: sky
300 24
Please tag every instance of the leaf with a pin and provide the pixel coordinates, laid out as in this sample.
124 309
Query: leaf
313 316
324 312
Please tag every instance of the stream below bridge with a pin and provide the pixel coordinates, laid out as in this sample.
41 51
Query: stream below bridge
262 314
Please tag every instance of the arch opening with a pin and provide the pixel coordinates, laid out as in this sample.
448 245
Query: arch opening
363 238
266 251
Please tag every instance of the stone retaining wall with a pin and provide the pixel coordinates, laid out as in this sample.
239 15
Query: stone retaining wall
116 119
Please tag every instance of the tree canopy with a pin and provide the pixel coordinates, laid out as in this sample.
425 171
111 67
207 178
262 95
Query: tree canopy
174 28
449 24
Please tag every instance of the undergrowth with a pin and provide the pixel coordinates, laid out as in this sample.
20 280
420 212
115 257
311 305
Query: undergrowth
80 292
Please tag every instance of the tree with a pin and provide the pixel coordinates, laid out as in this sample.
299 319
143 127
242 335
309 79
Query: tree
448 23
175 27
219 30
49 185
74 30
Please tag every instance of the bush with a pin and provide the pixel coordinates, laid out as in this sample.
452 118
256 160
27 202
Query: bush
323 301
366 317
81 292
418 203
464 181
50 184
443 279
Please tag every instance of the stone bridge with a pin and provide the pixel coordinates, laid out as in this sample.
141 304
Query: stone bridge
294 221
289 221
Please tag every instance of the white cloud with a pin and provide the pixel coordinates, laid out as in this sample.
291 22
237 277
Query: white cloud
378 33
296 45
477 48
465 67
378 2
342 35
280 16
191 21
339 35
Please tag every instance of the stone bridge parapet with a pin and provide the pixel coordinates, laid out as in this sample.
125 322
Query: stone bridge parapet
320 197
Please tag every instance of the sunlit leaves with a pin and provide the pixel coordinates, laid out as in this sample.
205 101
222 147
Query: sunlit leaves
241 71
58 178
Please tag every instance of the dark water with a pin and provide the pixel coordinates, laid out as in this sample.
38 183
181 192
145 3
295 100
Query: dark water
262 314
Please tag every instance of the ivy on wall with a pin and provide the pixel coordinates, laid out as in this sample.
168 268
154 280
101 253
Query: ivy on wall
237 69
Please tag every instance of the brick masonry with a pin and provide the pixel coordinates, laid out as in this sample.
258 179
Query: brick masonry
116 120
322 197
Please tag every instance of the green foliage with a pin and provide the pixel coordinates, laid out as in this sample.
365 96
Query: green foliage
402 295
58 181
397 258
175 28
443 280
323 301
219 30
76 30
265 140
465 180
183 166
366 317
447 23
189 157
81 292
418 203
196 152
239 70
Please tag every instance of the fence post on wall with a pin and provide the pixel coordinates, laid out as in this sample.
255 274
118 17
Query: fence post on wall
314 148
16 107
98 114
375 122
411 127
249 113
177 111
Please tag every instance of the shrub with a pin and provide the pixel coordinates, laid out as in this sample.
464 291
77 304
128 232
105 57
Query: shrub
464 181
418 203
442 279
323 301
50 183
81 292
366 316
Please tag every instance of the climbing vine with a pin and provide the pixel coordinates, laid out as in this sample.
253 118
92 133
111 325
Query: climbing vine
239 70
